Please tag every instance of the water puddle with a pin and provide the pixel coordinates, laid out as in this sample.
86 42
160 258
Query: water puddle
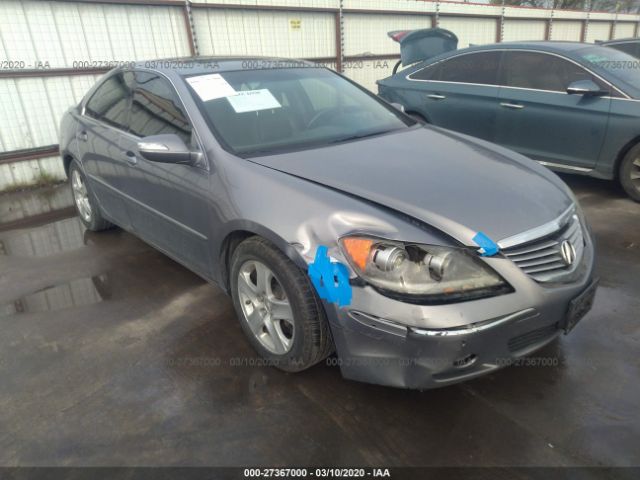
33 205
50 239
76 293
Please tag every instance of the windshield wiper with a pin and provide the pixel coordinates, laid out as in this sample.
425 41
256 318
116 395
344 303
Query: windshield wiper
356 137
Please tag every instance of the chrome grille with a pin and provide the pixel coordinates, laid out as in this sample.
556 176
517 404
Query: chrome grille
542 259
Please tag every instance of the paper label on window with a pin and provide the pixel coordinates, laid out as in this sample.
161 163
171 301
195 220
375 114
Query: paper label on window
253 100
210 87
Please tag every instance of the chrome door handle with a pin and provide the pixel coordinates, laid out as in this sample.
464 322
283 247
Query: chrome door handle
435 96
131 157
82 136
511 105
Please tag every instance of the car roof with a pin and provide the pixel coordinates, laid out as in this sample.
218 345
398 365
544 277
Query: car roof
199 65
548 46
619 40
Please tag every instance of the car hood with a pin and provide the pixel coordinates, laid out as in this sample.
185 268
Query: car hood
452 182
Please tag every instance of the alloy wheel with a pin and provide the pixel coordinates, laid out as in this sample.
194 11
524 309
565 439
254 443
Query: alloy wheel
266 307
635 173
80 195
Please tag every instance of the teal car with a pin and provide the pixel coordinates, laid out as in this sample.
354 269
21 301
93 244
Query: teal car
626 45
574 107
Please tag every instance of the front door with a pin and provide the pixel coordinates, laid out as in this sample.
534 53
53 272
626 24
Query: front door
168 203
539 119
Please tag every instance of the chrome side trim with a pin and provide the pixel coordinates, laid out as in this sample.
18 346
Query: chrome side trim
537 232
565 167
475 328
409 77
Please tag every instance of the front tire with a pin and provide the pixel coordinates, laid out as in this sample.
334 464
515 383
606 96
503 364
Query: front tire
630 173
277 306
85 202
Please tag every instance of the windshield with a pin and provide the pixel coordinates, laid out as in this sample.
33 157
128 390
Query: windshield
620 65
256 112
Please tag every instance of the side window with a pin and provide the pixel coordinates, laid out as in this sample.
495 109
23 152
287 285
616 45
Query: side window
110 102
540 71
431 72
629 47
480 68
156 109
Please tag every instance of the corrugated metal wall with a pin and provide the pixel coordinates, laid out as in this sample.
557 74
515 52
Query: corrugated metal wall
515 30
81 35
283 34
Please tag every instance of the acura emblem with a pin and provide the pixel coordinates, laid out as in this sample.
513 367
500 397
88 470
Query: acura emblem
568 252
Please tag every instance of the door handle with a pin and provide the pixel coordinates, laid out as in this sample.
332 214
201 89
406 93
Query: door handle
515 106
82 136
131 157
436 96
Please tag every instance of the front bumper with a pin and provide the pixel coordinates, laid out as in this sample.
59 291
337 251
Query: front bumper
424 347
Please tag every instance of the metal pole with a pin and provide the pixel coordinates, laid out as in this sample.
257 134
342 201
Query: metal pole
191 31
502 14
549 31
340 38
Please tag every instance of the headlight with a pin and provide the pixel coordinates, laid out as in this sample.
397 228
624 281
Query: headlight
422 273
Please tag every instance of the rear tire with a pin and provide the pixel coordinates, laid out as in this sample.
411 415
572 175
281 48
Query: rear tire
281 314
630 173
84 200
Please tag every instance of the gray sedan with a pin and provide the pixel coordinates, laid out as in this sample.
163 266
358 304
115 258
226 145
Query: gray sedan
421 256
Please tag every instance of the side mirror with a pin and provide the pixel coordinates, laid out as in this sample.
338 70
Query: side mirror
398 106
167 148
585 87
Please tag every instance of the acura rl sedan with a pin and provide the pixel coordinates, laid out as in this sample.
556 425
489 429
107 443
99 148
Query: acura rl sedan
420 256
574 107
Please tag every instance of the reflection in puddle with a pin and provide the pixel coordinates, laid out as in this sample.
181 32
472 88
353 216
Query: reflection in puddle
56 237
76 293
45 201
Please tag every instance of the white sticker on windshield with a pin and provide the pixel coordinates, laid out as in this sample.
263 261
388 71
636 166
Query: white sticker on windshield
210 87
253 100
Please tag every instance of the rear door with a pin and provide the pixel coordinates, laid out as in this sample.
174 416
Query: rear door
539 119
459 93
168 203
104 118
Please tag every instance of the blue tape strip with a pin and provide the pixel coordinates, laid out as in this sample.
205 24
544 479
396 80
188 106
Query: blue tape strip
487 246
331 279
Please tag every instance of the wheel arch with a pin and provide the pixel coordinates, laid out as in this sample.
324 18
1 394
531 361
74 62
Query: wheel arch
239 231
67 158
622 153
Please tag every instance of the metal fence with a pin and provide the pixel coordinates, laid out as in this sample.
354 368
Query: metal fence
52 51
